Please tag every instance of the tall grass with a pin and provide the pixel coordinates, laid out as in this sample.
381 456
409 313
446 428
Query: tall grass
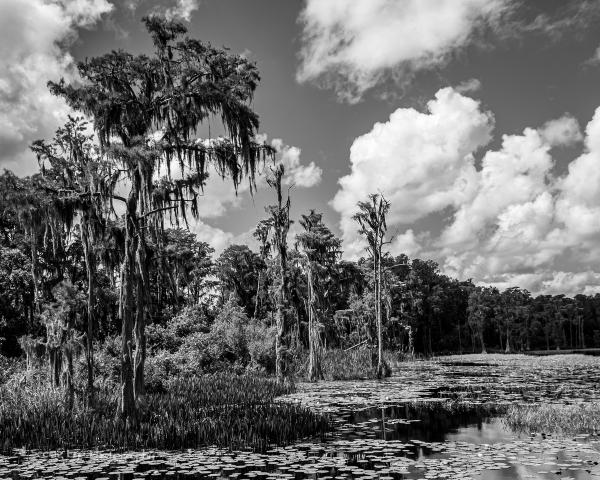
237 412
337 364
551 418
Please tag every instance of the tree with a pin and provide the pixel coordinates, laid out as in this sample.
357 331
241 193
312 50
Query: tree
280 222
481 306
79 178
321 249
371 218
62 342
261 233
237 269
146 111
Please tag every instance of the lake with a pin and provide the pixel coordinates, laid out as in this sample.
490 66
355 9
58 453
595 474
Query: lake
439 419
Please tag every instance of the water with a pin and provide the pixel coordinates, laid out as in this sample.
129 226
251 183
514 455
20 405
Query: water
432 420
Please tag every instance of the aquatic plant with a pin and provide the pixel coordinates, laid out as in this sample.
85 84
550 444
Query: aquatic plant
552 418
225 410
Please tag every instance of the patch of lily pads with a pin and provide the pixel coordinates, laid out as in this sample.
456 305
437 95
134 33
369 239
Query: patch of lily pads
344 459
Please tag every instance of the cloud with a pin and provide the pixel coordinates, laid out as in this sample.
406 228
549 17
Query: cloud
32 38
352 46
470 85
304 176
421 162
562 131
510 220
214 236
183 9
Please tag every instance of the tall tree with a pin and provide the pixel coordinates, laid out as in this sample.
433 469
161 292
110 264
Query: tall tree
481 306
262 233
321 249
280 221
79 178
371 217
146 112
237 269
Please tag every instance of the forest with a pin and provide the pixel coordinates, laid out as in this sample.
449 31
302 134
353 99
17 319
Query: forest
104 288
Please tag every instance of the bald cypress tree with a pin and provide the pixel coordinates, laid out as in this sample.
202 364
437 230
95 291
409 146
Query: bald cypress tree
321 249
146 112
80 180
371 217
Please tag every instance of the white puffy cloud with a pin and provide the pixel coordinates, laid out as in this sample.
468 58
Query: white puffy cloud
32 38
421 162
353 45
562 131
304 176
508 220
183 9
214 236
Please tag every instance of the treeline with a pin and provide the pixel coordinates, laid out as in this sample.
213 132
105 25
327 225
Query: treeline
424 311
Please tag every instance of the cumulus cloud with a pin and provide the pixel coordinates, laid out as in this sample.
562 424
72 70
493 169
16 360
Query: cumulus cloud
421 162
183 9
305 176
352 46
214 236
32 38
297 174
562 131
509 220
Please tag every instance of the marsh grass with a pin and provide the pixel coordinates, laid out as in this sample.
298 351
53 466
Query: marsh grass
348 365
237 412
355 364
573 419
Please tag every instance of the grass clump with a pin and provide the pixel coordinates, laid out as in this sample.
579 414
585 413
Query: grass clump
231 411
552 418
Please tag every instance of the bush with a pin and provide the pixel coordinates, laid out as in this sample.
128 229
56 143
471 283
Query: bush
188 346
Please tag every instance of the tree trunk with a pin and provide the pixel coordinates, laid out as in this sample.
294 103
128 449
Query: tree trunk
381 367
142 288
90 265
483 350
315 371
128 406
507 349
54 356
67 374
281 225
37 294
280 330
256 301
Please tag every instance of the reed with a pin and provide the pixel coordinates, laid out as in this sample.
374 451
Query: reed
231 411
580 418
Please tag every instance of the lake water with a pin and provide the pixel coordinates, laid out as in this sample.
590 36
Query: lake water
432 420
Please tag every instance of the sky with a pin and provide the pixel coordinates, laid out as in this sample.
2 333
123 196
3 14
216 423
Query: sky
476 119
